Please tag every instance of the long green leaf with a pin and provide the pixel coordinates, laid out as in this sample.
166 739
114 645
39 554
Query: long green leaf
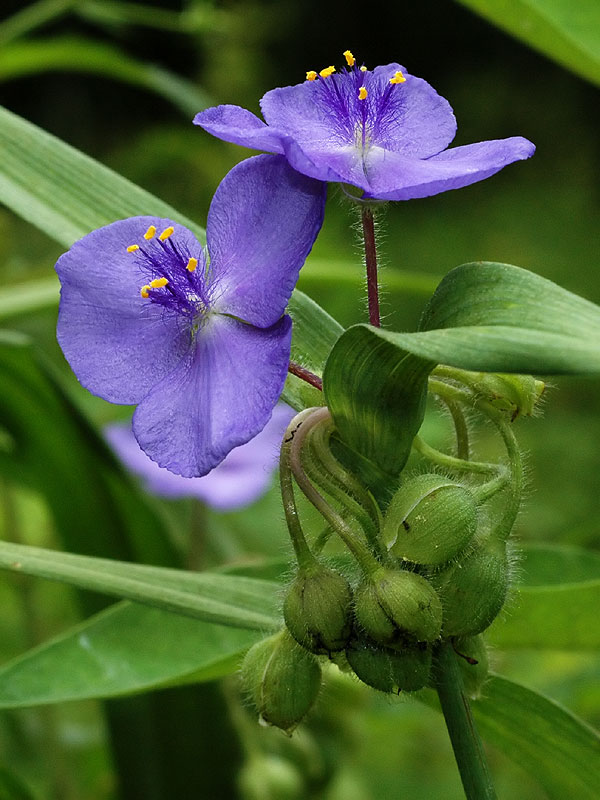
566 30
76 54
64 192
553 745
127 648
500 318
222 599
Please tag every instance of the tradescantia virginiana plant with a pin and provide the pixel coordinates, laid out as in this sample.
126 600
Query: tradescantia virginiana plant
199 339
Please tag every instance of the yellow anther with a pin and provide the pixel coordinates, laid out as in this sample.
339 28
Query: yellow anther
398 78
166 233
132 248
150 233
192 264
325 73
158 283
362 93
311 75
144 291
350 60
363 69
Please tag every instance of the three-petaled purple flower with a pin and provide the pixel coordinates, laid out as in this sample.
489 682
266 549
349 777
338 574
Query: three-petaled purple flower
384 131
240 479
196 337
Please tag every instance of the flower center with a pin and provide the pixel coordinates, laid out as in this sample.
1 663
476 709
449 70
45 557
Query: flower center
173 279
358 101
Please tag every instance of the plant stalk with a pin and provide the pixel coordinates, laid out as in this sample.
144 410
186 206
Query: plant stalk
368 226
466 743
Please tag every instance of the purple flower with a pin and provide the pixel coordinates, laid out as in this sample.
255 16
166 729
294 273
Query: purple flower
383 130
240 479
196 337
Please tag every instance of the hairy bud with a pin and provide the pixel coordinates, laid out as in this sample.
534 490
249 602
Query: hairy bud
317 610
473 590
282 680
389 669
396 606
430 520
512 395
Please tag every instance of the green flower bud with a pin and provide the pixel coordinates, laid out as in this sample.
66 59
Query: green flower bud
510 394
391 670
473 663
430 520
473 591
282 680
268 777
317 609
395 606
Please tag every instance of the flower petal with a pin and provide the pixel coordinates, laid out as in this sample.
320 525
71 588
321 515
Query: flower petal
218 397
239 126
240 479
118 344
262 223
395 177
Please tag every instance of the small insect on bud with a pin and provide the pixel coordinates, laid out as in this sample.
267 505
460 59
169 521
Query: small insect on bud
395 606
430 520
282 680
317 609
473 663
473 590
269 777
389 669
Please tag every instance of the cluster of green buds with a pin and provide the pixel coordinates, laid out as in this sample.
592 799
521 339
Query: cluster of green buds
427 567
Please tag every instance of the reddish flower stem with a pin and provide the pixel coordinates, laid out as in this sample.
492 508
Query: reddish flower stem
306 375
368 226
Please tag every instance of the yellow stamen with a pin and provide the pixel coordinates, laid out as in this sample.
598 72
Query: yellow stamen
144 291
192 264
150 233
398 78
362 93
350 60
166 233
363 69
325 73
132 248
311 75
158 283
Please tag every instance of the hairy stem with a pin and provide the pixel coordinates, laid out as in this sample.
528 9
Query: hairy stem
356 546
466 743
368 226
305 375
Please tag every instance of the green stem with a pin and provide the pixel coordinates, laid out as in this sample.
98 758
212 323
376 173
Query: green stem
451 462
461 429
504 527
329 475
466 743
32 17
359 550
304 556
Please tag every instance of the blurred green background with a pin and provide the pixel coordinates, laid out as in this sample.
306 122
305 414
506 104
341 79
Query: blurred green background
121 81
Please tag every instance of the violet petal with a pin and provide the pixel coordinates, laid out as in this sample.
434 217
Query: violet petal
218 397
118 344
257 247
